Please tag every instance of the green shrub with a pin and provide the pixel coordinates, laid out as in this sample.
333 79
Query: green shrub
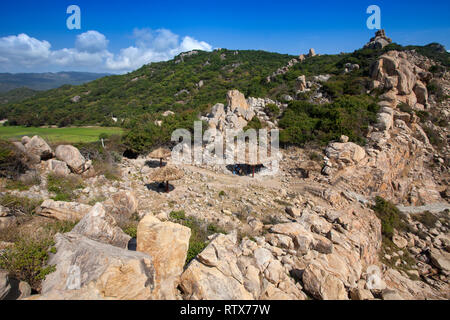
199 232
131 230
303 122
272 110
255 124
19 204
391 218
12 161
63 187
434 137
427 219
26 260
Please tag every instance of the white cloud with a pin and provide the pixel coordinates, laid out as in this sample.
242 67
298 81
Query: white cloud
151 46
91 41
23 50
22 53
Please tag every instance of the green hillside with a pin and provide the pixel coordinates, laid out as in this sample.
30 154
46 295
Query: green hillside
16 95
190 84
153 88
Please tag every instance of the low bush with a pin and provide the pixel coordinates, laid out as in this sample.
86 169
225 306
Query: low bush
200 231
26 260
303 122
63 187
21 205
391 218
427 219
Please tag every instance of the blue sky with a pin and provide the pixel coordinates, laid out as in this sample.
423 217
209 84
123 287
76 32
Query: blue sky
131 33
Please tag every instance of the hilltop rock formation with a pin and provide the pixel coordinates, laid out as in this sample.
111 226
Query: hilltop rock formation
404 81
379 41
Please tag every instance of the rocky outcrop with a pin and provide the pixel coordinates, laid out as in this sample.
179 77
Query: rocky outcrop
59 168
379 41
100 226
234 116
64 211
91 270
154 238
122 203
345 154
73 158
404 81
37 148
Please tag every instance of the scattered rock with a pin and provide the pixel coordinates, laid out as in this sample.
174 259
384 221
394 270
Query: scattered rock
64 211
154 238
101 226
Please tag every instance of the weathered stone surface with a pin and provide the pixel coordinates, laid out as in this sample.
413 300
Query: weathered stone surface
72 157
4 211
90 270
167 243
323 285
440 259
7 222
5 286
64 211
122 203
345 153
59 168
214 275
38 147
236 100
399 241
101 226
379 41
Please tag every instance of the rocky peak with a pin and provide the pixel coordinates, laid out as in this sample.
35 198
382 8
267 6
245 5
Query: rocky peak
379 41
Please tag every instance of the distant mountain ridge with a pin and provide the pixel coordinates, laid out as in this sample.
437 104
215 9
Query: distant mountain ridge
45 81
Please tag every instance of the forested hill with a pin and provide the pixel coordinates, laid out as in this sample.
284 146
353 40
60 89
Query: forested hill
189 82
44 81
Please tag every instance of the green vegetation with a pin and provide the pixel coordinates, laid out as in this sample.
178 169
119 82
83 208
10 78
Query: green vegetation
304 122
199 232
12 162
27 259
427 219
391 218
54 135
21 205
131 230
152 89
139 98
16 95
63 187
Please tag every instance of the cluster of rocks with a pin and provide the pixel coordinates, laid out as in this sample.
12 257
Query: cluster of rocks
68 158
379 41
311 53
402 81
184 55
282 70
429 245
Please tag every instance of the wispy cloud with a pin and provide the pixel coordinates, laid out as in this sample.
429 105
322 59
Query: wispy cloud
22 53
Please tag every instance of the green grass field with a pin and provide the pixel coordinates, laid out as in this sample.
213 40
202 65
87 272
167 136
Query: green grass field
72 135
